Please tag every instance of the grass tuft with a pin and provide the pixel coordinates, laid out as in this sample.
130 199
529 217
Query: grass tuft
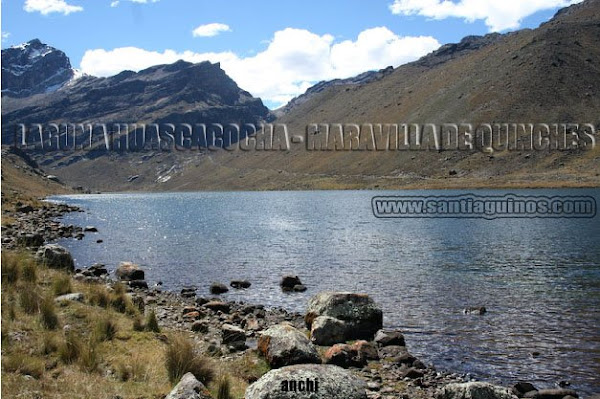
151 322
10 268
23 364
132 370
48 316
99 296
224 388
138 324
119 302
49 344
119 288
70 349
29 299
89 358
181 357
28 271
61 285
105 330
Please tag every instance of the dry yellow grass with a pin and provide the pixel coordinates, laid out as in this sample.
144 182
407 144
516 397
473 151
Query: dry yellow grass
105 361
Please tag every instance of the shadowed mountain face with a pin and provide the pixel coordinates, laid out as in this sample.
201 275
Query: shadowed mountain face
546 75
34 68
176 93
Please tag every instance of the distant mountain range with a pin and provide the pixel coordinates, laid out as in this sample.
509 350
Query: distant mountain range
39 86
550 74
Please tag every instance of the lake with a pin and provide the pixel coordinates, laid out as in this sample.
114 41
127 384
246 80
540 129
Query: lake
538 278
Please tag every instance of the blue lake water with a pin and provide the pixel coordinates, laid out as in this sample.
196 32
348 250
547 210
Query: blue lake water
538 278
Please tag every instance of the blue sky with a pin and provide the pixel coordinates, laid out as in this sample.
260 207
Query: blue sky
274 49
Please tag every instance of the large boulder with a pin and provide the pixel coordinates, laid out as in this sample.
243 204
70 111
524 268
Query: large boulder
189 388
55 257
128 271
310 381
474 390
283 345
361 317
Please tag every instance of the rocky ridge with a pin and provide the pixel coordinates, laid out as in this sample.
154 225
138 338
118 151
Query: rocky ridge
33 68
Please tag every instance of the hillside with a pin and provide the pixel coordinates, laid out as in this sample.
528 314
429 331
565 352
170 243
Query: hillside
550 74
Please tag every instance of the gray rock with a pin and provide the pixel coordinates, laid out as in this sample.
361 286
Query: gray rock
25 209
97 270
232 335
138 284
188 292
412 373
75 297
521 388
217 288
361 316
289 282
474 390
55 257
283 345
90 229
218 306
299 288
365 349
476 310
240 284
552 394
389 337
323 381
327 331
373 386
392 351
129 271
189 388
200 326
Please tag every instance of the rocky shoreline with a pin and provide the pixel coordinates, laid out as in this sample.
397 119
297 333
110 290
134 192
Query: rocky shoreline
343 331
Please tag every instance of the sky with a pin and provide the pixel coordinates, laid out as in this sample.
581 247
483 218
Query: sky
275 49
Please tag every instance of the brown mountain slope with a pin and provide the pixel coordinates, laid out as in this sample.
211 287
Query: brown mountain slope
549 74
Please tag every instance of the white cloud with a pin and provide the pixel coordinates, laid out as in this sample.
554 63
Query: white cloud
376 48
46 7
498 15
5 35
210 30
293 61
115 3
101 62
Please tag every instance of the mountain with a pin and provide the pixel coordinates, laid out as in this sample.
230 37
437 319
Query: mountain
177 92
32 68
549 74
